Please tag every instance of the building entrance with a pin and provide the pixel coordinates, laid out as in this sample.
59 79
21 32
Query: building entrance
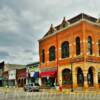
90 77
66 78
80 78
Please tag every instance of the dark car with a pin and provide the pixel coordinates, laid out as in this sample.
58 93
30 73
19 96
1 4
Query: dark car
32 87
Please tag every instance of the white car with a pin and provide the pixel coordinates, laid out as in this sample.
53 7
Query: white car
32 87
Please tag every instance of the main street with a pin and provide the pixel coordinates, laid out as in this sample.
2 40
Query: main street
19 94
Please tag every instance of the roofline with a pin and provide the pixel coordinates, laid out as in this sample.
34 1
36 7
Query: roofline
33 63
69 26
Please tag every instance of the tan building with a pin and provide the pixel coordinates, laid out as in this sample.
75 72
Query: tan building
73 50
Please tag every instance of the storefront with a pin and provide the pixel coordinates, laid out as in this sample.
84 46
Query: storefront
34 77
33 73
48 78
12 78
21 77
5 78
1 73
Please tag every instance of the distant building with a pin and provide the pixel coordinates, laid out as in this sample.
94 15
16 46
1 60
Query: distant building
5 78
70 53
10 74
1 73
32 72
21 77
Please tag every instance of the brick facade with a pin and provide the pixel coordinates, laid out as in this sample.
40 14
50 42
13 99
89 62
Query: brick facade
81 26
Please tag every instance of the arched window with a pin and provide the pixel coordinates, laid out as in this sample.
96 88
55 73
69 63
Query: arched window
52 55
65 49
99 47
90 51
43 56
80 77
78 46
66 77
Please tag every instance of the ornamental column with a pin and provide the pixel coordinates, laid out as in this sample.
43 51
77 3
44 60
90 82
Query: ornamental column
95 78
59 77
74 77
85 80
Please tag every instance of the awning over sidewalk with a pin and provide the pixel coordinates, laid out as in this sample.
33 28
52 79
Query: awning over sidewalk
48 73
34 74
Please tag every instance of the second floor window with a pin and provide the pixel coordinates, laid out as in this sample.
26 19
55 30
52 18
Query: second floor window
78 46
65 49
52 54
43 56
99 47
90 51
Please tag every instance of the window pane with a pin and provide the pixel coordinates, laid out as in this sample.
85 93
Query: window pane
52 53
65 49
90 45
77 46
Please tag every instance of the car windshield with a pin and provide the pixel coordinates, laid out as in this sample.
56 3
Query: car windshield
36 84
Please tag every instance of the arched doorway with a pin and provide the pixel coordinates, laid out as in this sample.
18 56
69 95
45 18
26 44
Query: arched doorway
90 77
80 77
66 78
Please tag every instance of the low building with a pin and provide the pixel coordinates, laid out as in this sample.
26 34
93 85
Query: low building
21 77
1 73
10 74
32 72
5 78
12 78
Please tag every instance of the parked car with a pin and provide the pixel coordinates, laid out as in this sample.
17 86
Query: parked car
32 87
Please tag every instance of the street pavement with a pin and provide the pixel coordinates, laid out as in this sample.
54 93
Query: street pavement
19 94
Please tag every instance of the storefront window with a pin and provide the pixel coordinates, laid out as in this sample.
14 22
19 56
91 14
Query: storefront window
80 78
90 76
66 77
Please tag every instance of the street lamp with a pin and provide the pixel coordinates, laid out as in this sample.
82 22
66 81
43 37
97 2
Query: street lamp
72 77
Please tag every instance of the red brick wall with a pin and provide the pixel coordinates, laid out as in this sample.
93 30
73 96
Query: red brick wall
83 30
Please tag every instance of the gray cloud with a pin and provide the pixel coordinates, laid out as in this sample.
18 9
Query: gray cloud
23 22
3 55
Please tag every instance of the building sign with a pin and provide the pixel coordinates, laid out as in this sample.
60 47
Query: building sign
93 59
74 60
35 69
12 75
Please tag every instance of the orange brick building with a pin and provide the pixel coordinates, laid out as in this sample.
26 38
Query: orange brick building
70 53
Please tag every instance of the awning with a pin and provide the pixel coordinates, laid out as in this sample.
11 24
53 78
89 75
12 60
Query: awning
34 74
48 73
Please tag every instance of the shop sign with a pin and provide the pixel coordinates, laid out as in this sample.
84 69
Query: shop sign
91 59
33 69
74 60
12 75
31 74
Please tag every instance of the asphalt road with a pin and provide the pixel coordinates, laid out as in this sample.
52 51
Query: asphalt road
49 96
19 94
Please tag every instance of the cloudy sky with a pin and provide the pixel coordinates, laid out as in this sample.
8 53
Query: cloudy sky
24 22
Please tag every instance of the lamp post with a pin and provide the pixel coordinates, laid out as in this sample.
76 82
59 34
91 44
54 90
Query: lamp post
72 77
